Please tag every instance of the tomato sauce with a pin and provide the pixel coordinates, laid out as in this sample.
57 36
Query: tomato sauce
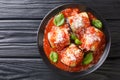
47 48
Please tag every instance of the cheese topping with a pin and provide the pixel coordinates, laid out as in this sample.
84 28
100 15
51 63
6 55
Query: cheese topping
77 21
59 36
71 56
49 36
90 38
77 52
72 52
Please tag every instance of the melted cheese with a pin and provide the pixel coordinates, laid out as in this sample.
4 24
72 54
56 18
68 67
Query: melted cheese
71 56
77 22
77 52
84 14
90 38
72 52
49 36
59 36
56 35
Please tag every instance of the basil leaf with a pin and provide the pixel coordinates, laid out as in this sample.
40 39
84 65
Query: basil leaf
77 42
88 58
59 19
97 23
73 36
53 56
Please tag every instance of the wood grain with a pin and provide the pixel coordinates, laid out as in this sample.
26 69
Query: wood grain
19 56
18 38
35 69
29 9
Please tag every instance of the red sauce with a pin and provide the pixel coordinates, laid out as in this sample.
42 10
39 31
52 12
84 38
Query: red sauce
47 48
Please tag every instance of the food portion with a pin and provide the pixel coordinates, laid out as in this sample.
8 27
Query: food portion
58 37
74 40
79 20
92 39
71 56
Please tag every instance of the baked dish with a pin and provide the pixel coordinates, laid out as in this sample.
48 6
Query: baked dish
73 40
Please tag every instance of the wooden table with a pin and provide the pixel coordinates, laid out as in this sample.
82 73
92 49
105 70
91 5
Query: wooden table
19 56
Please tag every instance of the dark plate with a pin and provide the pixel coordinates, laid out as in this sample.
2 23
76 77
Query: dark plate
40 36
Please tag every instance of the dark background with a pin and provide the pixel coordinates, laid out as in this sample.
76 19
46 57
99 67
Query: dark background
19 56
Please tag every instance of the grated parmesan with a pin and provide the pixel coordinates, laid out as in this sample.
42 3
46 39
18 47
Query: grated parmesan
77 21
71 56
59 36
90 38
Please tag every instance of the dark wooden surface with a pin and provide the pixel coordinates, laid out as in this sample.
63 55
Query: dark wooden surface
19 57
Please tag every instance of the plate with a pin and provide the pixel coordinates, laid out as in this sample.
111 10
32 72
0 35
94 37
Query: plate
40 36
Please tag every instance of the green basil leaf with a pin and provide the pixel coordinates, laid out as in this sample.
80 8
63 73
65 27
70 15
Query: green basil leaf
77 42
88 58
53 56
59 19
73 36
97 23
